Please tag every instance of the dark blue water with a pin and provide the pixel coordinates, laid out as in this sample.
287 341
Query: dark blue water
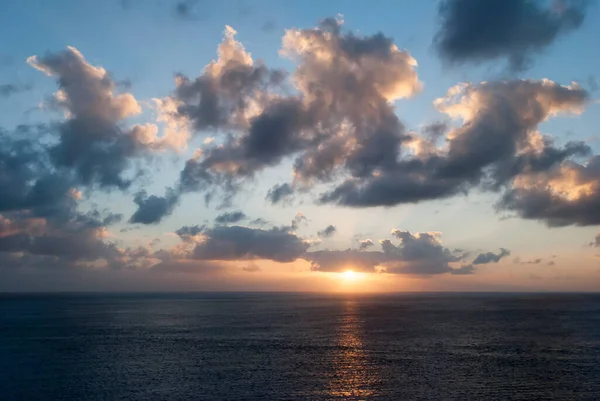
300 347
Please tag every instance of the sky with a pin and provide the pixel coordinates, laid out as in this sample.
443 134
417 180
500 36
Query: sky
168 145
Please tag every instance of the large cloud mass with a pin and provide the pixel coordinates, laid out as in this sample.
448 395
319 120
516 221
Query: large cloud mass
341 117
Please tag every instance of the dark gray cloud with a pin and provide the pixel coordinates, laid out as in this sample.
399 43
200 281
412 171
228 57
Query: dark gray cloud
474 30
279 193
327 232
243 243
231 217
490 257
151 209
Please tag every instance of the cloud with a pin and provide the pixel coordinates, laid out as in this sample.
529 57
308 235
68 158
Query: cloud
58 236
279 193
339 261
327 232
269 26
497 142
187 232
365 244
475 31
41 225
251 268
8 90
568 194
243 243
184 266
417 254
230 91
93 142
230 217
259 222
151 209
528 262
490 257
28 179
185 9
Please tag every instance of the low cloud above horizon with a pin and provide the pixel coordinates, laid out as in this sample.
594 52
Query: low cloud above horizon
338 150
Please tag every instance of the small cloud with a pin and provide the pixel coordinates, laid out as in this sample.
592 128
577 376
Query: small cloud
518 261
490 257
329 231
231 217
186 9
365 244
8 90
280 193
269 26
251 268
259 222
299 218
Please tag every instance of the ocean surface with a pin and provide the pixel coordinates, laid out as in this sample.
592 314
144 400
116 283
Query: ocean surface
244 346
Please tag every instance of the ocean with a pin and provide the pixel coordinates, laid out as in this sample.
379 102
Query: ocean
250 346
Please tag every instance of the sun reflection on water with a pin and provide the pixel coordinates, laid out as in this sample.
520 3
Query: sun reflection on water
354 376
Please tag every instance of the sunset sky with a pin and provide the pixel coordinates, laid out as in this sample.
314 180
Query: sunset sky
280 145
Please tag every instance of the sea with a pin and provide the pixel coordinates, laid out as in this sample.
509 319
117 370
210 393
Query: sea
271 346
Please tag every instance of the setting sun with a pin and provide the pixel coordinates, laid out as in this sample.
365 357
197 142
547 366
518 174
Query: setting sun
350 275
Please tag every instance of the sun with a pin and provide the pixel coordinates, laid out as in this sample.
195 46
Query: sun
350 275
